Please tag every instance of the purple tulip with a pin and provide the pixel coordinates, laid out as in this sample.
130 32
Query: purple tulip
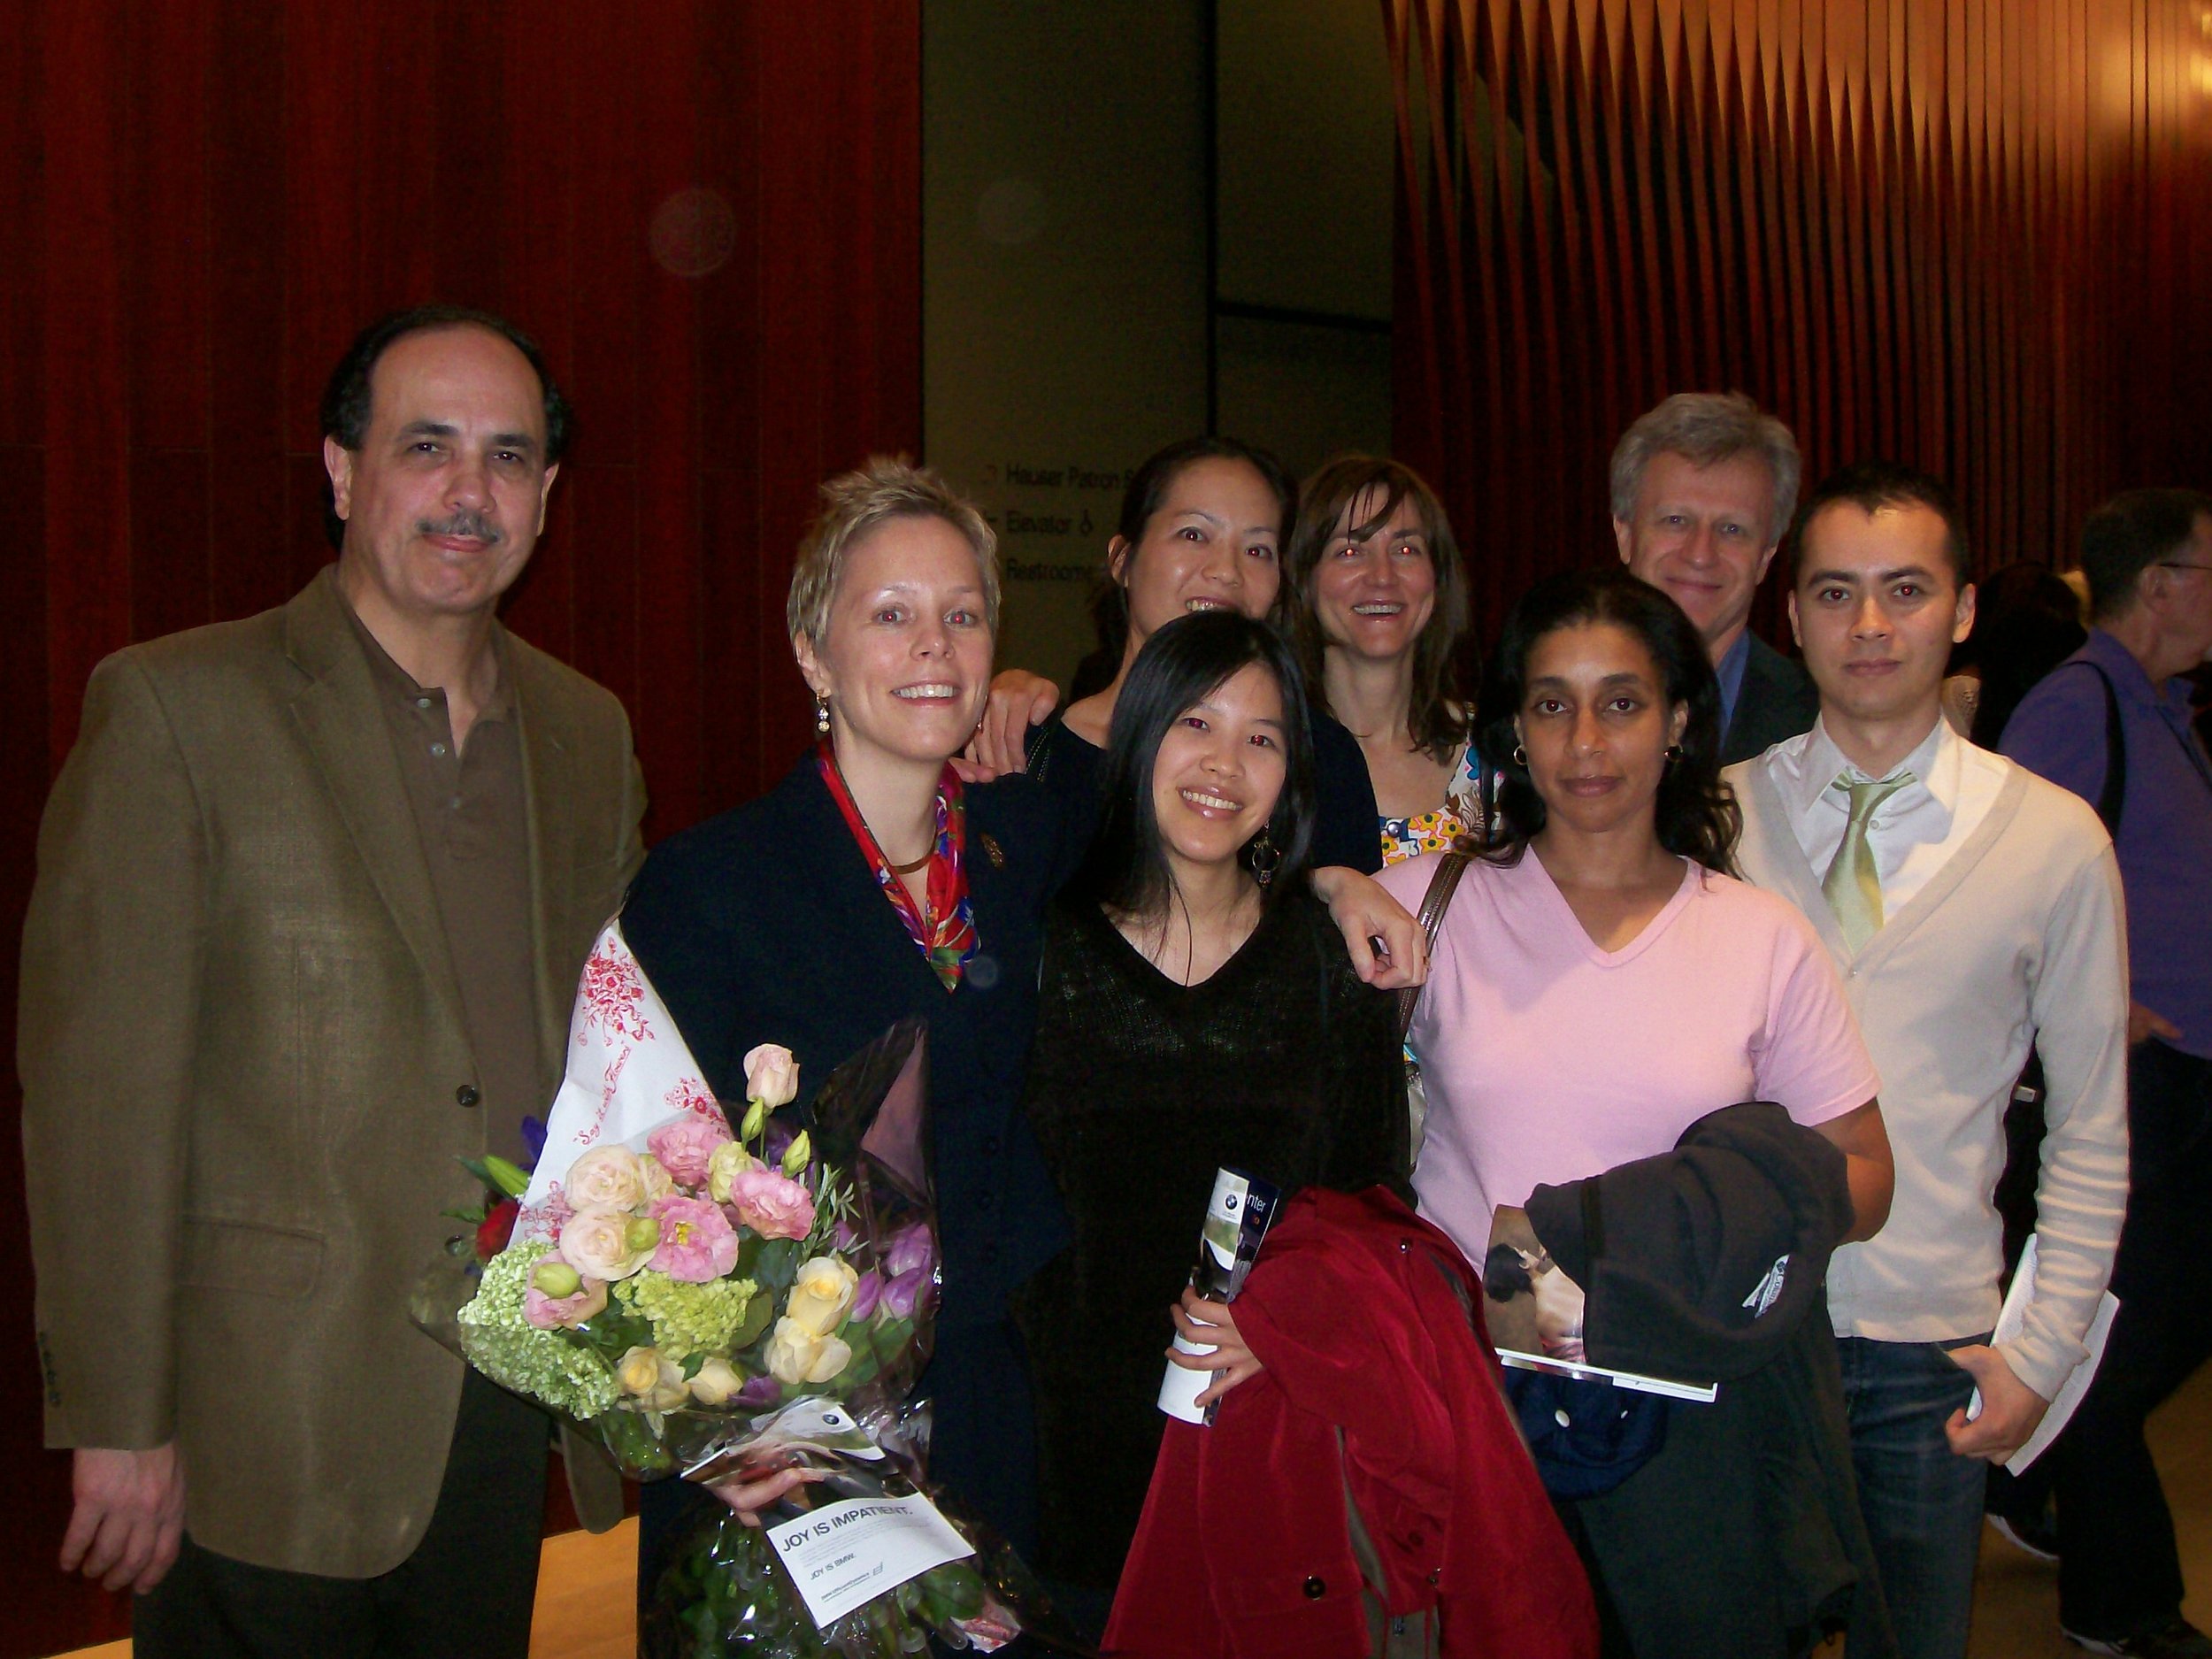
901 1294
865 1294
758 1391
909 1248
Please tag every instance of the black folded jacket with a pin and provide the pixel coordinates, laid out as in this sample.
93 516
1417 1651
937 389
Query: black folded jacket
1698 1263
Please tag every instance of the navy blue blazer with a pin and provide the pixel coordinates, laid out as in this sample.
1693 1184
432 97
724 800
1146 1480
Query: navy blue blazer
1777 701
765 925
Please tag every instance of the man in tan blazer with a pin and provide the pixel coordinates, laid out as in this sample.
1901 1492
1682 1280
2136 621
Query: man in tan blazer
313 892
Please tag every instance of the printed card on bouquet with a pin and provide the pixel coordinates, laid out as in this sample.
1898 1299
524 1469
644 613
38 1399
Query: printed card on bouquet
843 1556
1535 1312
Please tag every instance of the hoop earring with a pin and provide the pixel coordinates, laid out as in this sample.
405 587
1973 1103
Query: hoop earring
821 714
1674 753
1520 757
1265 857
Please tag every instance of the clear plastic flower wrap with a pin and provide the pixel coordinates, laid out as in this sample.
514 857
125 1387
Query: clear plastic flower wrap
726 1589
714 1304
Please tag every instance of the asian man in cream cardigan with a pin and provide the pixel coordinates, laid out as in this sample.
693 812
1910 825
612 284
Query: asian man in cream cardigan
1973 909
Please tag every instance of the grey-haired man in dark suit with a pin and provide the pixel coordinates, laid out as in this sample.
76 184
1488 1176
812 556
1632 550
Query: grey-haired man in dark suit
1703 488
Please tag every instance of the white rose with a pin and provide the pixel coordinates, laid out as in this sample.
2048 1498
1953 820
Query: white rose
654 1379
638 1371
596 1243
717 1383
610 1176
835 1356
654 1178
771 1076
793 1352
821 1296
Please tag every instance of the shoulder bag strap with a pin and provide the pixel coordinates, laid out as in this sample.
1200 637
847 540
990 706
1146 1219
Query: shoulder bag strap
2112 799
1450 867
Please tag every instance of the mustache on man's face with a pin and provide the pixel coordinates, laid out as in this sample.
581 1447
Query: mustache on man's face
466 521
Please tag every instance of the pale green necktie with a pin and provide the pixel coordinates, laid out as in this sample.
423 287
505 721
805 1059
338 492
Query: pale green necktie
1853 886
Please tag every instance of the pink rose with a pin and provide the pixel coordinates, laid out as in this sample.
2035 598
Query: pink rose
771 1076
685 1146
602 1243
607 1176
587 1300
697 1242
772 1204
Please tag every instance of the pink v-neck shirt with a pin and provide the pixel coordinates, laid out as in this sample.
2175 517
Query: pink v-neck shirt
1547 1059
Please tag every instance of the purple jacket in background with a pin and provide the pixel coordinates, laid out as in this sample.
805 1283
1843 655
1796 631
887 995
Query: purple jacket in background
2164 841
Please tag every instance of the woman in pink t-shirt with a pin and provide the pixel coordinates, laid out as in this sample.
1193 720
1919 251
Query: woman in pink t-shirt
1600 982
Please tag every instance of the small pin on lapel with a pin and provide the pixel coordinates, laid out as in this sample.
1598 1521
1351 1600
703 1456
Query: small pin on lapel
991 850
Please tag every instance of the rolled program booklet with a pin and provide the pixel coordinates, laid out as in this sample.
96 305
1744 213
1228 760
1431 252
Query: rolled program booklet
1236 1221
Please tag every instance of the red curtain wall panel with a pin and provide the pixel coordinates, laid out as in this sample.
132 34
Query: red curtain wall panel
1969 234
707 212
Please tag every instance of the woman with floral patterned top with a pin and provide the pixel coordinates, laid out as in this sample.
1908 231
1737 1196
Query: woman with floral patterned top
1380 609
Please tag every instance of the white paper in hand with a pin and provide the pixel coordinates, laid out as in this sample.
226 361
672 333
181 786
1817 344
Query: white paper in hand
843 1556
2012 1319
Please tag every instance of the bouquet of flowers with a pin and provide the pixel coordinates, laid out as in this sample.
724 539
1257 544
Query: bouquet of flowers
712 1303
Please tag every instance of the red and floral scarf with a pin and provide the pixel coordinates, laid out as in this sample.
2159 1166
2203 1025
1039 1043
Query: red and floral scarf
949 941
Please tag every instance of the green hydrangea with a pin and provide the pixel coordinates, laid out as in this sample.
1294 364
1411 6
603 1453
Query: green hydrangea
544 1365
688 1319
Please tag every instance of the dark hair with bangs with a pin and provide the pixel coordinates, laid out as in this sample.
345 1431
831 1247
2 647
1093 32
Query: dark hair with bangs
1695 816
1870 486
1143 496
1437 719
2026 623
1179 666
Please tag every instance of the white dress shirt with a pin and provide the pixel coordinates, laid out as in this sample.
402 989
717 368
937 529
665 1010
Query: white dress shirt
1915 832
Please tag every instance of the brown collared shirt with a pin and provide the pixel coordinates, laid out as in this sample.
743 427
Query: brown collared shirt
470 812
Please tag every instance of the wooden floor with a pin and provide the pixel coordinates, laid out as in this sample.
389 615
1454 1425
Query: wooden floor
584 1590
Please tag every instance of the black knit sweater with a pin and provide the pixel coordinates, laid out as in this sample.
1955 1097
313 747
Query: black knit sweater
1282 1064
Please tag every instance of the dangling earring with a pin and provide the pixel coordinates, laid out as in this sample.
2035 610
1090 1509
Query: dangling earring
1674 753
821 714
1265 857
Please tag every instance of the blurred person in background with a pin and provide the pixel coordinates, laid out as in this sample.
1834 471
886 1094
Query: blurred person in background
2027 620
2113 724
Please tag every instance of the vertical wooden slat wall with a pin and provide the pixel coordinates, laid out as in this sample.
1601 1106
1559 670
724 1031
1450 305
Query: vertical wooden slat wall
1970 234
